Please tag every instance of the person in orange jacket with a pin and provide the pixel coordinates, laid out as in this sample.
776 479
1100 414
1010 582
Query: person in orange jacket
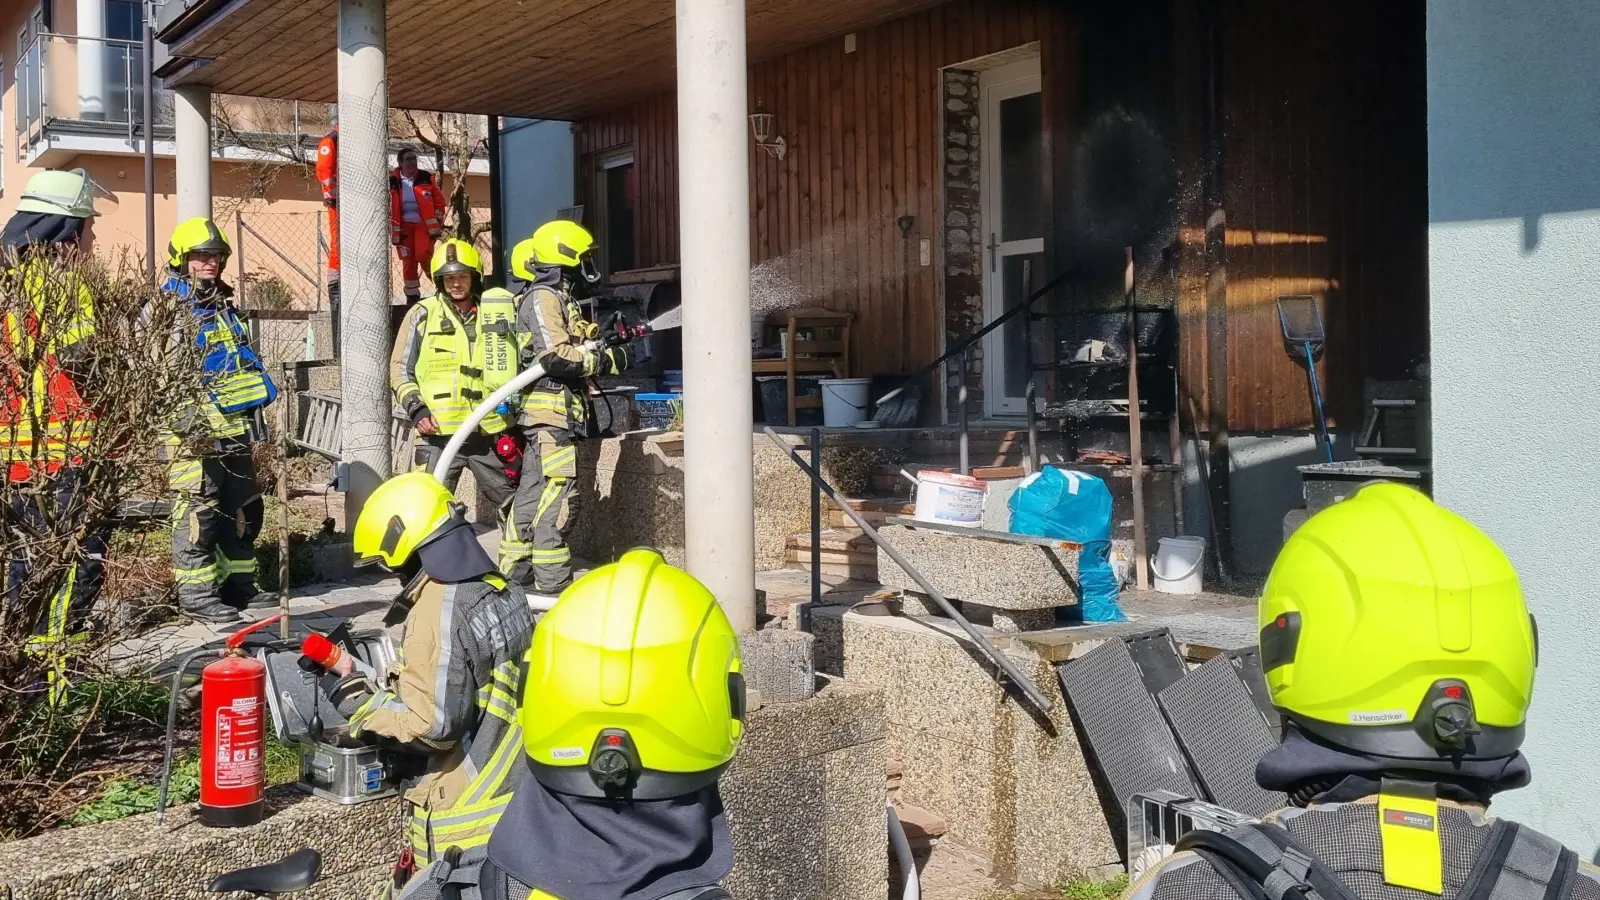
416 217
328 176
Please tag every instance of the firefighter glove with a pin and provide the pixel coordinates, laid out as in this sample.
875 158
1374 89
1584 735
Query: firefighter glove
615 360
351 693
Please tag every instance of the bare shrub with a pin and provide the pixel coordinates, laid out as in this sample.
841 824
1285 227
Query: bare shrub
137 372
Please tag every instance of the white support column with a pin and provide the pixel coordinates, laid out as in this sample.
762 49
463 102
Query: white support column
91 50
364 248
193 113
715 215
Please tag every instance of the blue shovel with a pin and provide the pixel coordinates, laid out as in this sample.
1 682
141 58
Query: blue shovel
1301 320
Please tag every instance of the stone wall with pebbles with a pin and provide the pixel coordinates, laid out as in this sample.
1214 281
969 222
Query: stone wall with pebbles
963 233
631 495
804 798
133 859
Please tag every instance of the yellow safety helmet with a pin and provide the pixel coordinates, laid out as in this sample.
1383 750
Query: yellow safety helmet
196 234
62 193
566 244
453 256
522 260
634 686
404 513
1391 626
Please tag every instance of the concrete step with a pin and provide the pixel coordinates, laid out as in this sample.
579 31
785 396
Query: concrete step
887 480
846 552
1015 442
876 510
922 826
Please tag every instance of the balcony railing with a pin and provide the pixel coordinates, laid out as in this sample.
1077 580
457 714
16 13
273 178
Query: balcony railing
88 85
95 86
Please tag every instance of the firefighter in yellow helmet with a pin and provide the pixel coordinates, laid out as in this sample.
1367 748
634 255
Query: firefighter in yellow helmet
454 349
453 698
46 409
217 510
1400 653
557 265
633 707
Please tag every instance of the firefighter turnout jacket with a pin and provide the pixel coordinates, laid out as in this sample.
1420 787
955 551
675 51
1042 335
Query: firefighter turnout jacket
234 379
1398 845
552 331
445 363
59 304
453 697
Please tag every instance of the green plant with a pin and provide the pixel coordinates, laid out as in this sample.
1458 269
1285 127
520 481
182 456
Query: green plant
1073 889
264 290
1086 889
125 795
42 735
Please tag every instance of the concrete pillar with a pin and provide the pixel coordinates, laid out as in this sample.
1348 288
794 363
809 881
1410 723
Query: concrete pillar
193 113
1514 219
713 130
91 49
364 248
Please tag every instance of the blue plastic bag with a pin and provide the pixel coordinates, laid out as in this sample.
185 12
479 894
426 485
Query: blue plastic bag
1073 506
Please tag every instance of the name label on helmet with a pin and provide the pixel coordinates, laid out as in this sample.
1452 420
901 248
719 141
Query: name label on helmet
1379 717
566 753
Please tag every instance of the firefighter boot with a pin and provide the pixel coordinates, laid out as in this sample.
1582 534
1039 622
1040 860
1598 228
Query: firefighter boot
211 611
261 600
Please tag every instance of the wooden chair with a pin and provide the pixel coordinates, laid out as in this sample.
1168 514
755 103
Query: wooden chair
827 352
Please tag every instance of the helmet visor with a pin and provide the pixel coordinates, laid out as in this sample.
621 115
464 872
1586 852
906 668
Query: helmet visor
588 269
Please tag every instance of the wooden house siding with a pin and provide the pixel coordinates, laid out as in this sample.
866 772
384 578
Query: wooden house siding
1325 180
863 130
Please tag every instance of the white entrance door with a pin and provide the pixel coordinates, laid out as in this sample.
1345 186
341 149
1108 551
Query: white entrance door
1015 217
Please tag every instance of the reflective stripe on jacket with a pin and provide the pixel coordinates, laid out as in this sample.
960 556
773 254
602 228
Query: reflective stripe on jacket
430 203
1347 839
453 695
548 324
447 365
235 379
38 388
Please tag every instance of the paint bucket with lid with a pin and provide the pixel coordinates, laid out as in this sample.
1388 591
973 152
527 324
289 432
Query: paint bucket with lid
949 499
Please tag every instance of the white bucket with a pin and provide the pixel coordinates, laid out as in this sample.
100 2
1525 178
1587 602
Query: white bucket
1177 563
949 499
844 401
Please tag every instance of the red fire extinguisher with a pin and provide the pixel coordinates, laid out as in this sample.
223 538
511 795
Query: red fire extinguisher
233 748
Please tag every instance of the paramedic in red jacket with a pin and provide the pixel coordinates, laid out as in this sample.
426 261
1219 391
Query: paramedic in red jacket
416 216
328 176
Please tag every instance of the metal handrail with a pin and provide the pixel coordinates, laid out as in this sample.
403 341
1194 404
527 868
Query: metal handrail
1018 680
961 350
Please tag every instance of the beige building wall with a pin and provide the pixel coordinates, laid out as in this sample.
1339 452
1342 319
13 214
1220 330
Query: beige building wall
285 228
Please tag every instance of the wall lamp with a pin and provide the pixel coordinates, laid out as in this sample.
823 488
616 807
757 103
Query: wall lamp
761 127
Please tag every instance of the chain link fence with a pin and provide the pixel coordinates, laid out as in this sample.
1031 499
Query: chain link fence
281 259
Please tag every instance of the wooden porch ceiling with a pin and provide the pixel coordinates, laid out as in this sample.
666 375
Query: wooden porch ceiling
534 58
